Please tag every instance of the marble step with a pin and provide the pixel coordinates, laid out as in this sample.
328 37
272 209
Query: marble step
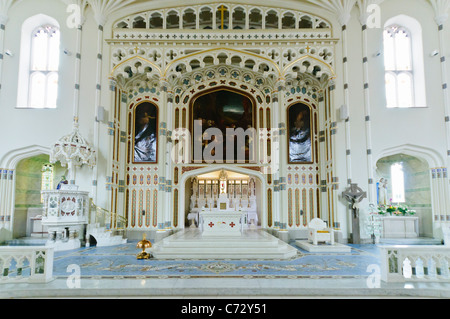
252 245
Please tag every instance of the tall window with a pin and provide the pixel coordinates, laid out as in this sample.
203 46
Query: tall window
399 67
39 63
44 63
403 62
398 183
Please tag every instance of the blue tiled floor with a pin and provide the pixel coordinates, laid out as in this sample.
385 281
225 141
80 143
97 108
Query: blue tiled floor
121 261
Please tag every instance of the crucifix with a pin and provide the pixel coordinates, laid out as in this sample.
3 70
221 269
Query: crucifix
354 195
222 10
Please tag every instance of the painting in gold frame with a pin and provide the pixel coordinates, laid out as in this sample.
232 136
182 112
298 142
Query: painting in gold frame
225 108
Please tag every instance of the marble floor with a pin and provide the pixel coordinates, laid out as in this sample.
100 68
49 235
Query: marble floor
114 272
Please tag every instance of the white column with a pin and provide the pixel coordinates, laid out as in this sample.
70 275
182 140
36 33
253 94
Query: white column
283 155
111 133
346 104
169 163
276 174
372 197
3 201
76 96
162 140
446 98
97 104
3 21
7 183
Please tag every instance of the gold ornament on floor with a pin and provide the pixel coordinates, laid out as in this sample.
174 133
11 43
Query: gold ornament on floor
144 243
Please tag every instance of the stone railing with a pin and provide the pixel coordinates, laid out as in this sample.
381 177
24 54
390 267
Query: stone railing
428 263
28 264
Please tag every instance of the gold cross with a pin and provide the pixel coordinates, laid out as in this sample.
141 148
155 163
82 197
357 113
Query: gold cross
308 48
136 49
222 10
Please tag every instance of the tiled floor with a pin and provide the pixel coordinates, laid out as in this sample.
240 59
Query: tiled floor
115 272
120 261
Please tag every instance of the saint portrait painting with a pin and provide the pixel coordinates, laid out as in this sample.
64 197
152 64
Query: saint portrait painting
146 134
226 109
299 129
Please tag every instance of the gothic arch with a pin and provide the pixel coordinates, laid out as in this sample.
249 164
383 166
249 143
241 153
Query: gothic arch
226 53
310 65
203 170
137 65
12 158
430 156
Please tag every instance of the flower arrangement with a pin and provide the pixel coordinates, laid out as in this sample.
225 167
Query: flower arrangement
395 210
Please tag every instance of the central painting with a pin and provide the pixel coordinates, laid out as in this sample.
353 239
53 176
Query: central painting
223 127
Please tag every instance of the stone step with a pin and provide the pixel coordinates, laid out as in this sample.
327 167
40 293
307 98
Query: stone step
189 244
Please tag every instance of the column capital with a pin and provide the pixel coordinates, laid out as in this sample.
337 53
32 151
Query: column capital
164 85
280 85
441 9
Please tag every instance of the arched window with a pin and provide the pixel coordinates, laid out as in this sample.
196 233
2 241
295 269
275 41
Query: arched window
43 88
39 63
398 67
403 62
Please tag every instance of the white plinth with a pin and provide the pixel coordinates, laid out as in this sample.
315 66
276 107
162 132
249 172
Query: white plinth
321 248
400 227
221 223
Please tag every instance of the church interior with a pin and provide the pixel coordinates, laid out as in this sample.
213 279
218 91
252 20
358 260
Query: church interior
205 148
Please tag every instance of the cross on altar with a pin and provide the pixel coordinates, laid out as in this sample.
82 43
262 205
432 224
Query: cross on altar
222 9
354 195
232 224
211 224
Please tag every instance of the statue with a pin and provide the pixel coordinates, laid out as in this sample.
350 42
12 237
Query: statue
194 187
382 191
63 181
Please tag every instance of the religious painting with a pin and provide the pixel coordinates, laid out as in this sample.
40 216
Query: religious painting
145 133
217 113
299 134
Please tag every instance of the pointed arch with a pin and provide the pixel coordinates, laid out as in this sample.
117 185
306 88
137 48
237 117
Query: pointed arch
12 158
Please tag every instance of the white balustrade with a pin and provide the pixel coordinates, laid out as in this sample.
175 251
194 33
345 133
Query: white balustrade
428 263
26 264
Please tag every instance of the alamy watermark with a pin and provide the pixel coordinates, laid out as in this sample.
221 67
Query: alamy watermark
374 279
374 16
74 279
74 19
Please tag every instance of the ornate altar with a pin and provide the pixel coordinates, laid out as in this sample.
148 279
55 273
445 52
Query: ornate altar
223 195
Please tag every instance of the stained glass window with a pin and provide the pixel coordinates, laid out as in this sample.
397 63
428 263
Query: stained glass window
47 178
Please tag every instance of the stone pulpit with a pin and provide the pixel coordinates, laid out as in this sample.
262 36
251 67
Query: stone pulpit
65 214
